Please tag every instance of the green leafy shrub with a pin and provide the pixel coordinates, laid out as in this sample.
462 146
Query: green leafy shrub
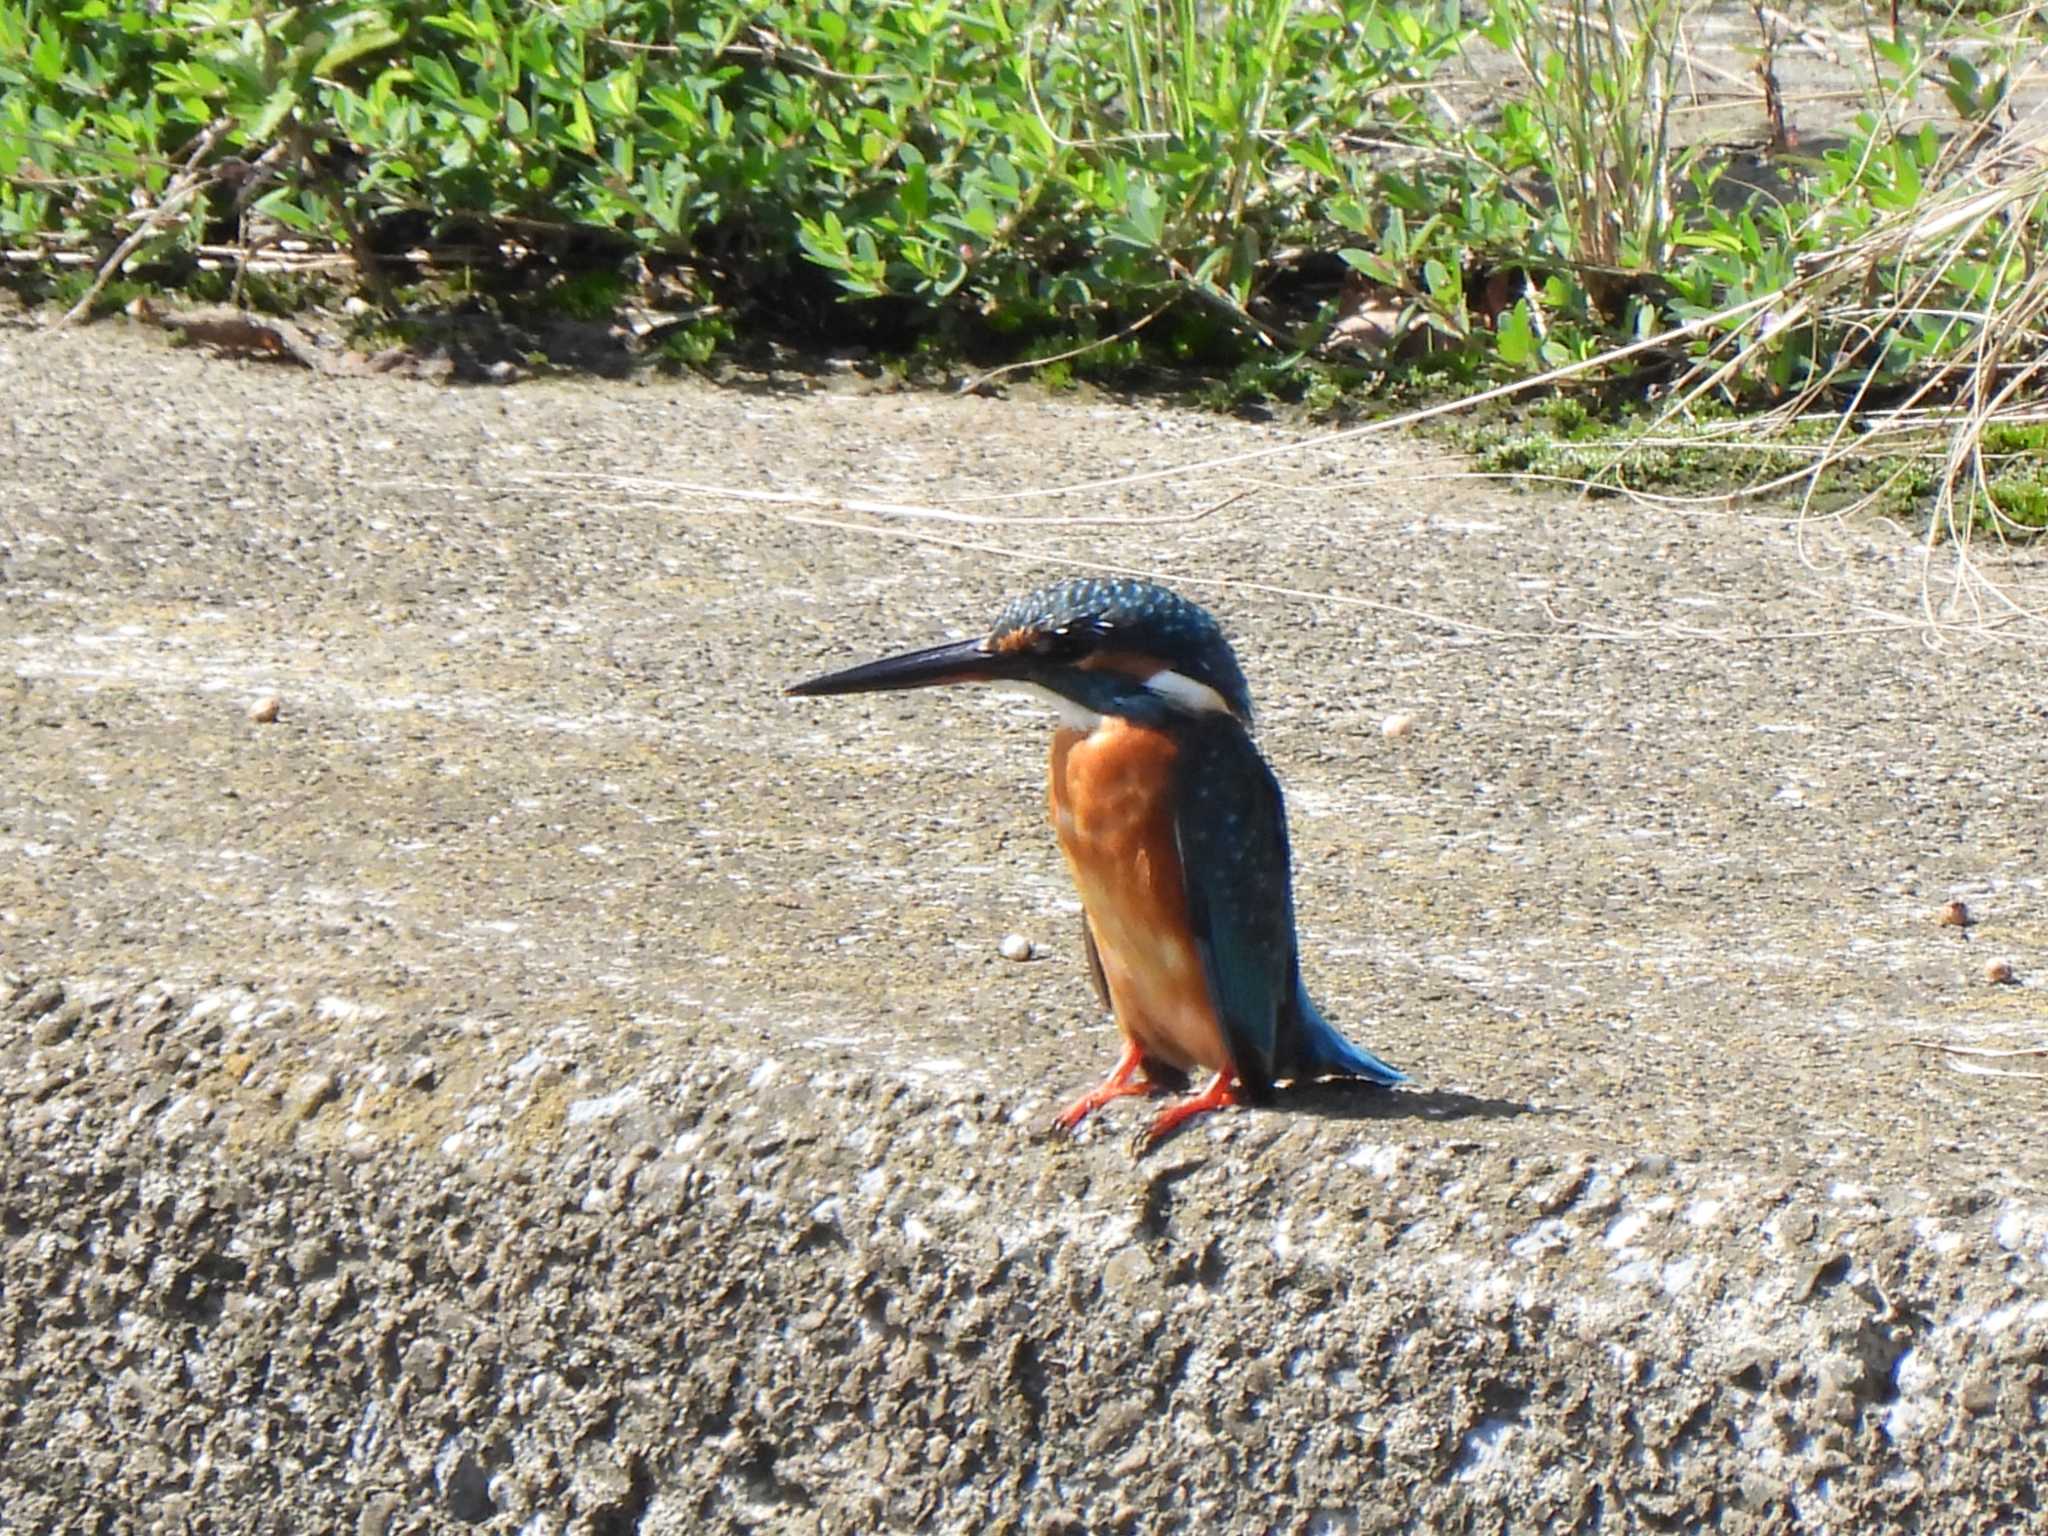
1020 177
1021 167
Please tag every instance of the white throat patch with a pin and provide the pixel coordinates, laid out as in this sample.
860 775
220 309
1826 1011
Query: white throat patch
1075 716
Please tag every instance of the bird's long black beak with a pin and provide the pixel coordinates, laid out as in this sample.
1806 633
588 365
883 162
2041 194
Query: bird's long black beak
960 661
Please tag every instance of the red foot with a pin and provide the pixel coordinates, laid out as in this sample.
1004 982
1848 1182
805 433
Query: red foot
1220 1094
1122 1084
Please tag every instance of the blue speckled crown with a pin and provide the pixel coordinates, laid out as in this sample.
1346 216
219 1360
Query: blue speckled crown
1138 617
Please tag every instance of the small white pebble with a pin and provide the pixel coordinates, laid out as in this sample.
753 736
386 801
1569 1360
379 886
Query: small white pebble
264 710
1016 947
1396 726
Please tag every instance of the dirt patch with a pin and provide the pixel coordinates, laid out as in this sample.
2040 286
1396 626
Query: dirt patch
545 1079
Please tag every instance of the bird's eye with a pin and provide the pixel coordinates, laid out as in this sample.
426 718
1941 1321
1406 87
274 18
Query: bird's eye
1065 642
1062 644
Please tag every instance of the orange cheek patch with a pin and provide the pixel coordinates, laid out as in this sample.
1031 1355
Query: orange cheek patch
1013 641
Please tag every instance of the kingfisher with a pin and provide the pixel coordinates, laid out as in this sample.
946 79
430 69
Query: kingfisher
1174 830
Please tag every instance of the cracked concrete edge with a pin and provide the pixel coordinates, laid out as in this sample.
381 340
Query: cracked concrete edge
736 1295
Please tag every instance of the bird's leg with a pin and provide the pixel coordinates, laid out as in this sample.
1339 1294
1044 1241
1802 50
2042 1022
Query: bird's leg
1123 1083
1220 1094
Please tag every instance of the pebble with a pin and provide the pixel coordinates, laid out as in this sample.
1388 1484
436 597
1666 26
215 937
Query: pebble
379 1511
1954 915
1999 973
1016 947
307 1093
40 1001
1126 1268
1979 1393
56 1026
264 710
1394 727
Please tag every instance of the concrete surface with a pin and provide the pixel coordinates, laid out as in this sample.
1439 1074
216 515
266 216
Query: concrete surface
544 1080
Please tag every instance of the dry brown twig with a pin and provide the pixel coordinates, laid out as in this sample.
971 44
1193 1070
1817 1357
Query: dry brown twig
185 186
982 380
1982 1050
1979 1053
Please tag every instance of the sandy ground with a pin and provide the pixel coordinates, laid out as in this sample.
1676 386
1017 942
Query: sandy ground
546 1080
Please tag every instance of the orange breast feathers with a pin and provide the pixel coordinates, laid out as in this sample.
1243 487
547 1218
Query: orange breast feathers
1112 809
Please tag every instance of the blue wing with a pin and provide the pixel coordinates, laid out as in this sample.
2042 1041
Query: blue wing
1232 836
1231 827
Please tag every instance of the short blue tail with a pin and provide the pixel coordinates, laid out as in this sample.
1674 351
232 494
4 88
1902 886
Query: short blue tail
1326 1053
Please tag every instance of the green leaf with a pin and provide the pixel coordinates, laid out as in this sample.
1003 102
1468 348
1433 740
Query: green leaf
282 206
1313 153
435 73
275 110
916 194
979 215
1514 336
1349 213
616 95
189 77
1373 266
479 28
1908 179
47 57
580 128
359 44
1394 236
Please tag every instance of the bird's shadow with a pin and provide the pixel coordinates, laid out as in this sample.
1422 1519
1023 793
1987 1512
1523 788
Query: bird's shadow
1347 1099
1340 1100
